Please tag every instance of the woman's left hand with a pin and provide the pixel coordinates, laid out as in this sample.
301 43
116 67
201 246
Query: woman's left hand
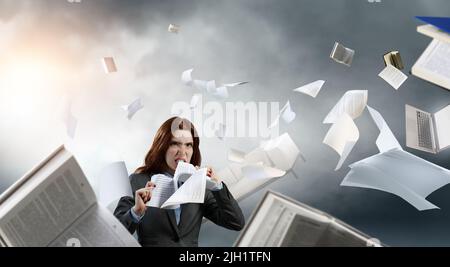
211 173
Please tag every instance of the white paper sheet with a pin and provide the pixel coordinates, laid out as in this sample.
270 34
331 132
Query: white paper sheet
235 155
352 103
311 89
342 136
401 173
69 119
132 108
386 139
195 100
186 77
286 114
221 92
393 76
282 152
260 171
113 183
234 84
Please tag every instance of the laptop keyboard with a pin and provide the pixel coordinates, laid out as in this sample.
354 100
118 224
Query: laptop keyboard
424 130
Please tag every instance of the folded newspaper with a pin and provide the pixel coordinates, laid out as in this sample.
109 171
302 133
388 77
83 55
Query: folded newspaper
54 205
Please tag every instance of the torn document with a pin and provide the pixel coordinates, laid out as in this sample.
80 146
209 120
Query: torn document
191 191
342 137
353 103
132 108
342 54
393 76
311 89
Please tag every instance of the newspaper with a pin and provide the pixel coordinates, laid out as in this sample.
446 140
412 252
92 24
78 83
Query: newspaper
54 205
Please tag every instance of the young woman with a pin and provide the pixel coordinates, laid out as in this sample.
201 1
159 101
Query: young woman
176 140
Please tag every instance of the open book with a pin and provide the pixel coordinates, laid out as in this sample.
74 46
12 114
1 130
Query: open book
434 63
279 221
54 205
166 194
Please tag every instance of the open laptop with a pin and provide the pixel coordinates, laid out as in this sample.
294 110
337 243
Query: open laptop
427 132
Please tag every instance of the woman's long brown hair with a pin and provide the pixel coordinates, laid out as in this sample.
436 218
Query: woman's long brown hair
155 161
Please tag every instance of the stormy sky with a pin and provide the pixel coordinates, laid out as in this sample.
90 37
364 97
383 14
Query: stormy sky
51 51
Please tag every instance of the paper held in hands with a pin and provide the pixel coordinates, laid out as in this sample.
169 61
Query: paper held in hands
167 194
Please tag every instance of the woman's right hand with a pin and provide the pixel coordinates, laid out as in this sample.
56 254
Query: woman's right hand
141 197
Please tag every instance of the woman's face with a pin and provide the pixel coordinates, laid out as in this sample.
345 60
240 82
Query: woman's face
180 148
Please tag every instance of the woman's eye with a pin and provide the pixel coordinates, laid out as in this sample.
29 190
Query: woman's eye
190 145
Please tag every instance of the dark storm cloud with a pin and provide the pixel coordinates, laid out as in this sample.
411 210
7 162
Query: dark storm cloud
278 46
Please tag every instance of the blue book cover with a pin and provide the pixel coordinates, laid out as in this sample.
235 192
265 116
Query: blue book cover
443 23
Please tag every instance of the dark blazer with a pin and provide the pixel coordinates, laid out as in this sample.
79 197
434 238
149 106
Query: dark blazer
158 227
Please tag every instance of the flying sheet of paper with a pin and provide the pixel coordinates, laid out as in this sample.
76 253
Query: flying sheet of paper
239 185
173 28
69 119
235 155
221 92
220 130
113 183
401 173
194 100
311 89
282 152
342 137
211 87
234 84
132 108
386 139
260 171
342 54
286 114
186 77
192 191
109 65
201 85
393 76
352 103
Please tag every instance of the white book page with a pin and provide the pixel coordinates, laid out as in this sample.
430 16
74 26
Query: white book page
434 64
442 119
96 228
164 188
46 204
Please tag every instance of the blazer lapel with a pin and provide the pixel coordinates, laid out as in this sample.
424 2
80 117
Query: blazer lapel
171 215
